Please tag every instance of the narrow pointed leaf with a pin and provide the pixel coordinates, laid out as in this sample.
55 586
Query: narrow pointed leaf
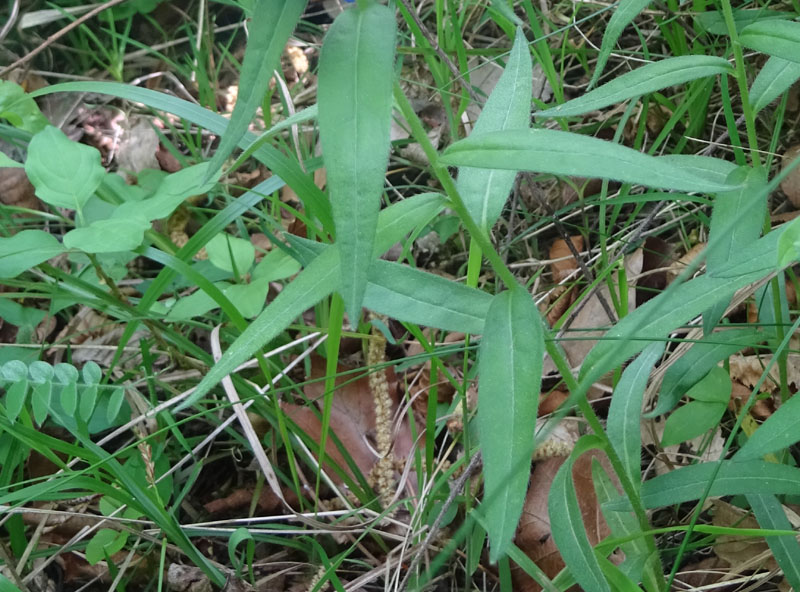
641 81
779 431
485 191
565 153
624 415
272 23
785 549
355 107
625 12
309 287
567 524
510 374
737 218
775 78
774 37
734 478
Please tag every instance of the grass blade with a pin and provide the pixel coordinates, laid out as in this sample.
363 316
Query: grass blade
775 78
786 549
565 153
272 23
644 80
309 287
509 376
567 524
624 415
773 37
485 191
734 478
355 108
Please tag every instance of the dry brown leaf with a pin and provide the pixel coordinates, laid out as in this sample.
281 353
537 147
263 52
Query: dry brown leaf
563 262
681 264
791 184
748 371
736 550
16 190
138 147
352 419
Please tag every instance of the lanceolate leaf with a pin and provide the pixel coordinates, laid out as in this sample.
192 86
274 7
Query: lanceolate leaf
565 153
734 478
775 78
779 431
786 549
624 415
26 249
355 108
773 37
625 12
309 287
567 525
485 191
273 21
641 81
509 377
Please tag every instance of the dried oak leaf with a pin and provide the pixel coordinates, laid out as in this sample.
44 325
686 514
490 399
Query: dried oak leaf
791 184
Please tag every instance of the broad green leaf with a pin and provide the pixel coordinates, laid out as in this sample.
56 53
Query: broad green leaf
509 377
64 173
92 373
272 23
774 37
624 415
309 287
691 367
193 305
625 12
249 298
734 478
714 169
737 218
231 253
276 265
115 402
108 236
773 79
678 304
785 549
286 168
105 542
7 585
691 420
779 431
16 394
714 21
88 400
641 81
19 108
485 191
354 97
41 395
788 245
7 162
714 388
400 218
26 249
566 153
566 523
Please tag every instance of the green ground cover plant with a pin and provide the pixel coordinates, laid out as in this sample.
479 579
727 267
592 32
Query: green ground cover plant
241 319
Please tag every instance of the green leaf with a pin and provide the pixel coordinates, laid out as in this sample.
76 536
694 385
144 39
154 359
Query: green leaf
7 162
7 585
734 478
40 401
105 542
15 398
692 366
625 12
714 21
677 305
354 96
737 218
64 173
276 265
509 377
691 420
231 253
88 400
108 236
248 298
19 108
567 527
309 287
789 244
773 79
26 249
641 81
485 191
786 550
566 153
92 373
115 405
624 415
400 218
714 388
272 23
779 431
774 37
